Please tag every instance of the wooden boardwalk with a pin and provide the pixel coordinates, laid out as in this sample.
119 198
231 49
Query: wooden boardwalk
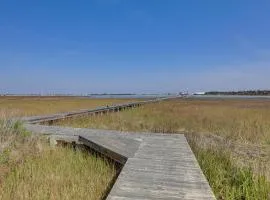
163 168
83 112
156 166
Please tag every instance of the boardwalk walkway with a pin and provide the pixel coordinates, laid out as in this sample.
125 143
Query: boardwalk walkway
156 166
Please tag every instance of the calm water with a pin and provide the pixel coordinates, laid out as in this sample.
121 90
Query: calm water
229 97
190 96
137 96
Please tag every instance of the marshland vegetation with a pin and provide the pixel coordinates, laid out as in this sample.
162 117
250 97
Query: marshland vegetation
230 138
35 105
32 169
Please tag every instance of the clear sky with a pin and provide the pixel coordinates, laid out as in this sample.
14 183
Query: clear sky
134 45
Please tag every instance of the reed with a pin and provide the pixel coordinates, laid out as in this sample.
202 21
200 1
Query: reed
230 138
28 106
31 169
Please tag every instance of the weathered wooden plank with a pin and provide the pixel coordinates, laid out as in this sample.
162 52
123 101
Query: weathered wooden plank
104 150
112 145
157 166
162 168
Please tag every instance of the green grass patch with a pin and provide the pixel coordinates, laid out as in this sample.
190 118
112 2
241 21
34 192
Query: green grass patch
229 181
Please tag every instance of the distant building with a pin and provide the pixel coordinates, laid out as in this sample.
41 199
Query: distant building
183 93
199 93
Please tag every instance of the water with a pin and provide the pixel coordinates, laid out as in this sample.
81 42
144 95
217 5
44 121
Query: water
230 97
133 96
153 96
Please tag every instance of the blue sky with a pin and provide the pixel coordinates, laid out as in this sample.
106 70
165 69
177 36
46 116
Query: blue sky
134 45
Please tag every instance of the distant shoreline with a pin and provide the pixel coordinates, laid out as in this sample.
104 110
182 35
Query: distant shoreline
241 93
81 95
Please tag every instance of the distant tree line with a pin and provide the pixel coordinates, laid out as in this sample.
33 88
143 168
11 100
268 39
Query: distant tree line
103 94
245 92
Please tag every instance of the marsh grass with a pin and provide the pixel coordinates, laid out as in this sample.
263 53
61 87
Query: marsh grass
230 139
227 180
61 173
28 106
31 169
247 121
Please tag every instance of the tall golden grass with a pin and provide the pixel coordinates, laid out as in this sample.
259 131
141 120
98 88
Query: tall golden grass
58 174
31 169
247 121
28 106
230 138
